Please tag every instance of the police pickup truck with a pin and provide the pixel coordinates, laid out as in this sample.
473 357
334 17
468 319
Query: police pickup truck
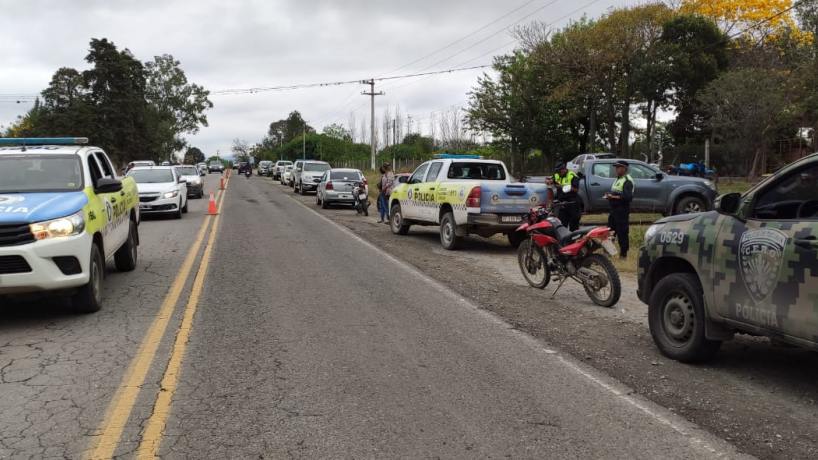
463 194
63 214
749 266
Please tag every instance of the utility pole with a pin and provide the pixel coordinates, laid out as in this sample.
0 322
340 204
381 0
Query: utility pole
395 131
304 141
372 94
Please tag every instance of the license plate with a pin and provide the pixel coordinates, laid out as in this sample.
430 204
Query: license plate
510 219
610 248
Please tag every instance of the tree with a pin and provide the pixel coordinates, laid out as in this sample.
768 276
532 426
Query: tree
193 155
337 131
241 150
757 20
283 131
179 105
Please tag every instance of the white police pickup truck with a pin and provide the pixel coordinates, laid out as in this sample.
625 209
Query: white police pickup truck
63 214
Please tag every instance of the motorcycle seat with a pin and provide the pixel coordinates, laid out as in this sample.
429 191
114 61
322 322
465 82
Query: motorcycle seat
570 237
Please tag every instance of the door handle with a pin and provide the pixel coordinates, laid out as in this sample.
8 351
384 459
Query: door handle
122 193
431 189
807 243
595 184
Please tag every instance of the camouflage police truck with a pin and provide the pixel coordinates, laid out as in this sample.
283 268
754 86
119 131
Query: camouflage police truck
749 266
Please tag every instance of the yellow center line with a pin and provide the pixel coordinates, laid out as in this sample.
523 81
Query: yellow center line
120 407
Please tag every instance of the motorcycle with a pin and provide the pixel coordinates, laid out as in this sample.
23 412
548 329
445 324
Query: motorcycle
359 194
248 172
553 253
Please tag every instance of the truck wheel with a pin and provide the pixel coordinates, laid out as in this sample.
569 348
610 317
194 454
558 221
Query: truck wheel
690 204
448 232
125 257
516 238
396 222
88 298
676 317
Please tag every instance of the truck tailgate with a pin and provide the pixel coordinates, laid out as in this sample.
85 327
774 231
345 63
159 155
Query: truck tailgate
505 198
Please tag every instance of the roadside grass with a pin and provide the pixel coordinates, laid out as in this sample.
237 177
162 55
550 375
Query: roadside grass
734 186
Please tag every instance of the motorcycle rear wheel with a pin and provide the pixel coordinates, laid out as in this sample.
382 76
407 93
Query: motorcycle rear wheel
536 263
608 295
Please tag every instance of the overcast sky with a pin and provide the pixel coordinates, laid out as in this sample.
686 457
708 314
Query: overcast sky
257 43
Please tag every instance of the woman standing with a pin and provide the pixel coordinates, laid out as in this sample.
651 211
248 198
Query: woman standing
386 183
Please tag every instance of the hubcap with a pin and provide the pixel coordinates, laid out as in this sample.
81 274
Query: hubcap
678 318
693 207
396 219
447 231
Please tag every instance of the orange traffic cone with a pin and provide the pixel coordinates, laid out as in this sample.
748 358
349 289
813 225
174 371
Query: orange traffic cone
211 207
221 183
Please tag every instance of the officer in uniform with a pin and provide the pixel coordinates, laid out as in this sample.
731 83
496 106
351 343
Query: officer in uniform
620 198
570 212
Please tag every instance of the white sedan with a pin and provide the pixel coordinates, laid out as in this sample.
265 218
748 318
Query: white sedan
161 190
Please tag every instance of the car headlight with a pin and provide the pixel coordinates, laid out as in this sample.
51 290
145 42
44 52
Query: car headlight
64 226
652 231
710 185
171 194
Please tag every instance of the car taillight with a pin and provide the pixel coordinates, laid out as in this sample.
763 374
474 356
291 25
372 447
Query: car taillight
473 201
329 186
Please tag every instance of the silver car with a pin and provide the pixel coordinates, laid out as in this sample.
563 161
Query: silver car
193 178
336 187
278 168
287 175
308 174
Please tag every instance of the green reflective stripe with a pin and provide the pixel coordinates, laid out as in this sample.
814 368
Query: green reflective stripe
619 184
564 180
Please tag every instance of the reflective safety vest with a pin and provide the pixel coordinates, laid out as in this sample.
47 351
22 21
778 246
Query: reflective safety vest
564 180
619 184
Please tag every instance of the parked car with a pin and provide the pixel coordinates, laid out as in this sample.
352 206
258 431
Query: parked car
308 177
265 168
193 180
216 166
463 194
202 167
750 266
336 187
576 164
287 176
654 190
278 169
63 215
161 190
134 164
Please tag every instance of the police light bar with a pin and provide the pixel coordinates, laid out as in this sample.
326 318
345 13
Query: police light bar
455 156
43 140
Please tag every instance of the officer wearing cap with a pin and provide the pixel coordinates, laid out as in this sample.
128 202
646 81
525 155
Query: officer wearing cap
570 212
620 198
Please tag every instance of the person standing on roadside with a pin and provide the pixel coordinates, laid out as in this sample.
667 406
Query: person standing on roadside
386 183
567 184
620 198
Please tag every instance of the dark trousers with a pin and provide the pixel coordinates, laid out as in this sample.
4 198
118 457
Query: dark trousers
618 222
570 215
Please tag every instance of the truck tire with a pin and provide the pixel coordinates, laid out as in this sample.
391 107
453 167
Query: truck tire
448 232
88 298
125 257
676 317
690 204
396 222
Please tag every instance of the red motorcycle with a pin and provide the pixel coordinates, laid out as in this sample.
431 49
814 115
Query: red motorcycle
554 252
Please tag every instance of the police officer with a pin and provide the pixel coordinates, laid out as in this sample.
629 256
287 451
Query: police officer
620 198
570 212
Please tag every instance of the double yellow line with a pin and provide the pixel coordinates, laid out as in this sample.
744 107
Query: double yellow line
120 408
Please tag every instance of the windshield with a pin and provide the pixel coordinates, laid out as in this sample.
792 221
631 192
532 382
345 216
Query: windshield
316 167
284 163
40 173
215 163
151 176
187 171
476 171
345 175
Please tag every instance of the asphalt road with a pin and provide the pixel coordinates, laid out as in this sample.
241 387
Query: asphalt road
307 342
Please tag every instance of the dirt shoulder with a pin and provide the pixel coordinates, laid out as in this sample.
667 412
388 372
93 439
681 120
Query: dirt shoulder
758 396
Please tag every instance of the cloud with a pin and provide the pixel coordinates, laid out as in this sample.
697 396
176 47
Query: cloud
239 44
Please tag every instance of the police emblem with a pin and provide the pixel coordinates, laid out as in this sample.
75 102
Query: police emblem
495 198
109 210
409 193
10 199
761 253
534 199
462 193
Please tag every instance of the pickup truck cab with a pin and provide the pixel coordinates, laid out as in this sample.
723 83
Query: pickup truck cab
463 194
63 214
749 266
654 190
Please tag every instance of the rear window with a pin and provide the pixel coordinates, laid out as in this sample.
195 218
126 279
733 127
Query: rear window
187 171
345 175
151 176
476 171
40 173
316 167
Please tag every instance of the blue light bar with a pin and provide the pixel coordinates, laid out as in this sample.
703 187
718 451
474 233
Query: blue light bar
43 140
455 156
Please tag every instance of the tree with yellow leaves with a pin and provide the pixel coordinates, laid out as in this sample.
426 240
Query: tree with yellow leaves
756 20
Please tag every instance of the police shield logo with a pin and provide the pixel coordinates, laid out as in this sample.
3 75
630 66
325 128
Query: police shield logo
761 253
109 211
6 200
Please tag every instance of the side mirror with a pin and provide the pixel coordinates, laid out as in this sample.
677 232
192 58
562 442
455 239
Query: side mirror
182 180
729 203
108 185
659 176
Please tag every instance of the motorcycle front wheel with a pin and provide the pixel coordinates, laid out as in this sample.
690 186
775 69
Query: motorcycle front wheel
533 264
607 294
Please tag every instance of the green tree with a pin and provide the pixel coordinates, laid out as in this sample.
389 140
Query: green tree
193 155
283 131
337 131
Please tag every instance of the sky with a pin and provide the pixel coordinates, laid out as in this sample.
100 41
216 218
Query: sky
261 43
